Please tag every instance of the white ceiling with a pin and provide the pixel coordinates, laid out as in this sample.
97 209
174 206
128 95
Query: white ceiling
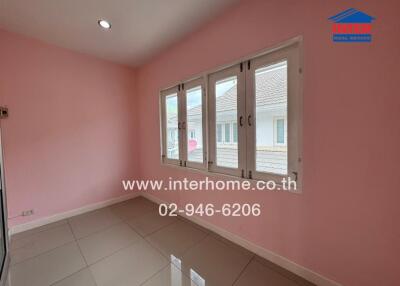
140 28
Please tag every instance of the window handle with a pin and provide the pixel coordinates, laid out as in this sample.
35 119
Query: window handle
249 120
241 121
179 126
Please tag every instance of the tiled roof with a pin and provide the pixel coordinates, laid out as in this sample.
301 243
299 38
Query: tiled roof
271 89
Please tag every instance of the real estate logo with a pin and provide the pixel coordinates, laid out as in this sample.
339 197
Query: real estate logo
351 26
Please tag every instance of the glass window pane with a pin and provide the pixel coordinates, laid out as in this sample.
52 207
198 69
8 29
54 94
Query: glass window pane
271 103
280 131
194 113
171 110
227 133
226 111
219 133
235 132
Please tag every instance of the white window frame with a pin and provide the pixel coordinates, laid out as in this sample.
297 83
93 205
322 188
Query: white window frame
291 50
185 87
235 70
292 56
164 135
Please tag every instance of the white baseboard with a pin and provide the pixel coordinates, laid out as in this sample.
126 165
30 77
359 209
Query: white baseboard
265 253
57 217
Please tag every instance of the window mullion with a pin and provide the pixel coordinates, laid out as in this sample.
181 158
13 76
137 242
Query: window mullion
250 121
242 128
183 125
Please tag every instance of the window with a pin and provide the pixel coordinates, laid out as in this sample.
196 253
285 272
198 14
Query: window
226 89
194 96
271 108
226 110
170 126
253 115
183 123
273 150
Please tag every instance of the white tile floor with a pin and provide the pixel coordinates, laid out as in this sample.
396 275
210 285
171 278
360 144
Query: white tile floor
130 244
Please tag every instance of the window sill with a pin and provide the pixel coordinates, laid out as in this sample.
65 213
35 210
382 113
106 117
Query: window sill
217 175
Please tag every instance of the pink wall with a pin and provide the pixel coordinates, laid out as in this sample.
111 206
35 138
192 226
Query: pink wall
345 224
73 133
69 138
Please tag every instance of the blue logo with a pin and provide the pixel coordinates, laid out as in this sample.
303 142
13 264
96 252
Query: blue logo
351 26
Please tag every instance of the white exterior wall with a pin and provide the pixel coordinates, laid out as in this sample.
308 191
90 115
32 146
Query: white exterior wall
265 126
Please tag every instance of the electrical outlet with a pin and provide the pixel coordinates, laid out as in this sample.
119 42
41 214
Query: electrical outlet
27 213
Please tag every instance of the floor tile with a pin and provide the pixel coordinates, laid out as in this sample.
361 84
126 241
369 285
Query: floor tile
169 276
101 244
151 222
176 238
48 268
86 224
81 278
112 243
40 242
28 233
130 266
257 274
214 262
185 219
133 208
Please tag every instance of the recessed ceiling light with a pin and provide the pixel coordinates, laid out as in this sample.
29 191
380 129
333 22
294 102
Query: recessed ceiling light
104 24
